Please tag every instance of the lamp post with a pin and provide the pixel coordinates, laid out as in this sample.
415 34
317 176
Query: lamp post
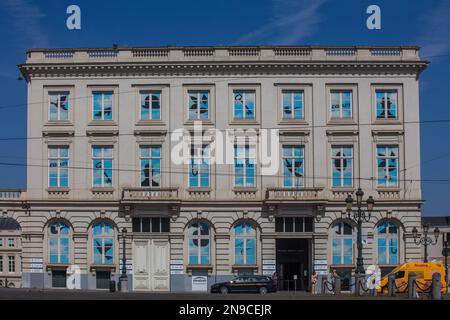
359 216
445 253
424 238
123 279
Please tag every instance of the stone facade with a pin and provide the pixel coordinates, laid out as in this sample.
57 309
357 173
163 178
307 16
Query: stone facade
161 260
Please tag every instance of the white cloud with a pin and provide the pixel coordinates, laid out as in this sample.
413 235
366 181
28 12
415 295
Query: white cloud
435 35
292 21
25 18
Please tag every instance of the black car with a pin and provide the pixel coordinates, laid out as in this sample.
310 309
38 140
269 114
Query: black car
253 284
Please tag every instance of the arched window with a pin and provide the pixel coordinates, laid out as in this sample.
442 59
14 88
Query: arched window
342 236
244 243
199 243
387 233
103 243
58 242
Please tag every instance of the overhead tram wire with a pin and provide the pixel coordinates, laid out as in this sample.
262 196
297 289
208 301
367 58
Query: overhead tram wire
216 173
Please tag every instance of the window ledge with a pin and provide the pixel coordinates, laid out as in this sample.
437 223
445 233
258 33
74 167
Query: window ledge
94 267
337 121
387 121
58 123
244 122
102 123
150 123
244 266
56 266
199 266
245 189
205 122
293 122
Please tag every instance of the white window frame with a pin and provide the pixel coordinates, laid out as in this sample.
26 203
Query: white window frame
387 185
12 262
292 93
59 158
103 92
59 94
151 93
198 92
103 158
340 92
341 158
244 93
236 157
150 158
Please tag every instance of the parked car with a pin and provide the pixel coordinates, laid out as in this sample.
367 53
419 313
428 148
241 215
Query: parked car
253 284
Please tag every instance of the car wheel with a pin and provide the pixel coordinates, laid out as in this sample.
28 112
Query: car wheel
224 290
263 290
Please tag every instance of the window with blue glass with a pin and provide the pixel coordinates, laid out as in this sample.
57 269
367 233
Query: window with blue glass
150 158
58 243
103 243
244 244
293 166
199 235
59 106
244 104
342 164
198 105
387 166
244 166
102 105
341 104
58 167
386 101
102 166
151 105
342 242
292 101
387 233
199 166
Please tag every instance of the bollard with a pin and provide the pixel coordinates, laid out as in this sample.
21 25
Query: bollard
436 286
324 289
358 280
391 285
412 291
337 285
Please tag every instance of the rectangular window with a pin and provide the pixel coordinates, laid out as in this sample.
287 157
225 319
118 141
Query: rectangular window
11 264
293 166
292 101
58 167
1 264
244 166
386 101
150 105
293 224
341 104
154 225
387 166
199 167
150 158
11 243
244 104
102 105
102 166
342 251
342 164
59 106
1 242
198 105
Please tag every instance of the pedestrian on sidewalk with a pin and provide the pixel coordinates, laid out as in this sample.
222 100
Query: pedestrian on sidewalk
313 282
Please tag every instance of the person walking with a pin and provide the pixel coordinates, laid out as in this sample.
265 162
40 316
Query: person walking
275 279
313 282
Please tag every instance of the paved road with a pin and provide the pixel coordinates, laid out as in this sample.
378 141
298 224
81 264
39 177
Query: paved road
26 294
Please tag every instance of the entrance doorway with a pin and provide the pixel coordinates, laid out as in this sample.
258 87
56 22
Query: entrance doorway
151 265
293 264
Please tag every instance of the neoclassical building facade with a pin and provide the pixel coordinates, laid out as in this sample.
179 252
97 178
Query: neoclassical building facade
103 171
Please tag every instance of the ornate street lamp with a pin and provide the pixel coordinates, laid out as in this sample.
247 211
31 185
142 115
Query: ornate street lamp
424 238
123 279
359 216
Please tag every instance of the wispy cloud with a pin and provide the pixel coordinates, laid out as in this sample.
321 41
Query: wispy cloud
292 21
25 18
435 25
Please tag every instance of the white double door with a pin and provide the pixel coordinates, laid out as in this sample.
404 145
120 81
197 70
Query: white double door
151 265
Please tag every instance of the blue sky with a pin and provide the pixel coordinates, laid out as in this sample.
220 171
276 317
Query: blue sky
32 23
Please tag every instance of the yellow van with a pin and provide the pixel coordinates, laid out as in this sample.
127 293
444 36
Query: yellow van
424 272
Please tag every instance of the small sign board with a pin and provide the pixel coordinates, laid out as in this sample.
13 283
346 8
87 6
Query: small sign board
268 262
267 272
176 267
320 262
295 277
199 283
176 272
176 262
320 267
269 267
36 260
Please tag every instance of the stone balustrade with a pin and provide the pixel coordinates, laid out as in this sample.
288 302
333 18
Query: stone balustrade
150 194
